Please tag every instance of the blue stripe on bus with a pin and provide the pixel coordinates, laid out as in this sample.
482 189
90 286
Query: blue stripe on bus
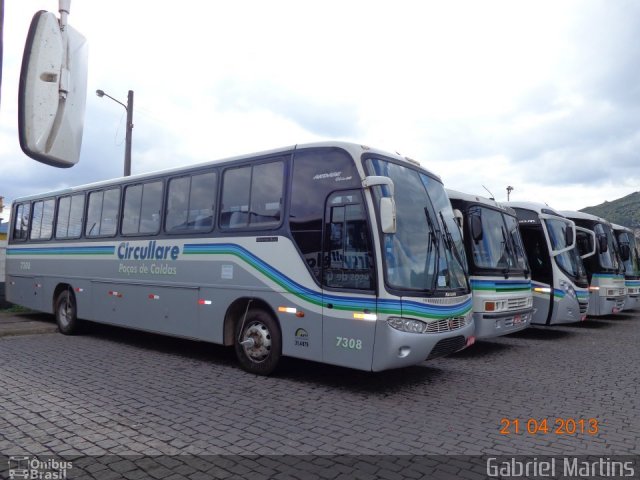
338 302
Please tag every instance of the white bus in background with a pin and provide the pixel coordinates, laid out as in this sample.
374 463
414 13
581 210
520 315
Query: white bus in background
498 271
630 258
599 250
559 279
298 251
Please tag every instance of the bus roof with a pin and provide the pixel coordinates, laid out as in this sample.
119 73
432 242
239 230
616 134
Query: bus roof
584 216
535 207
354 149
621 228
479 199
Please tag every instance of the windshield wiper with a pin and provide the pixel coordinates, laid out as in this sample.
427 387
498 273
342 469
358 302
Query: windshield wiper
450 243
434 241
506 252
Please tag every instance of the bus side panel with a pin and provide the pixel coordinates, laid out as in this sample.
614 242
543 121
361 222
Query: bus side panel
301 335
347 341
170 310
542 297
21 290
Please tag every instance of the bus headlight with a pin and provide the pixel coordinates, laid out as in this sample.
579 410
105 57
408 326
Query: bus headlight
407 324
568 289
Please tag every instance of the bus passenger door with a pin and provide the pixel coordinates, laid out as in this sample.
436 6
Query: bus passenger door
349 303
540 259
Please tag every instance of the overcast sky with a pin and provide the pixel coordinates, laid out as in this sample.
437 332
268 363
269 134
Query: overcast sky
540 95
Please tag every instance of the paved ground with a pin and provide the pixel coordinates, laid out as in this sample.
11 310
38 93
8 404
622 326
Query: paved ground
113 391
25 324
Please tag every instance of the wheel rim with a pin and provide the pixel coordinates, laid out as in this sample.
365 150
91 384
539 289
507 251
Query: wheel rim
65 312
258 350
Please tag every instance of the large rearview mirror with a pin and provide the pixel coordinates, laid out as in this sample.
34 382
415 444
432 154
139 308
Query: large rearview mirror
476 228
388 215
625 252
602 244
568 236
53 92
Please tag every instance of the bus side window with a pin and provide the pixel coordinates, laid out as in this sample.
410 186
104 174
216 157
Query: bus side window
311 184
42 222
102 213
348 254
236 183
191 203
21 222
252 195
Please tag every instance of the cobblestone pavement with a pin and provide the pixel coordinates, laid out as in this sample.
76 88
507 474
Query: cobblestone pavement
112 391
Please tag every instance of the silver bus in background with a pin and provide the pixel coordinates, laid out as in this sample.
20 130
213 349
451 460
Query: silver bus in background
559 279
498 271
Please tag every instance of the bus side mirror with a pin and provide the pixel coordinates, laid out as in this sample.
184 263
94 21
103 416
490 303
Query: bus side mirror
625 252
476 228
52 92
457 215
568 236
388 215
387 204
602 244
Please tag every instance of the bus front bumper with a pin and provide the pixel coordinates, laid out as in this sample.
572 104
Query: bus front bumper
396 349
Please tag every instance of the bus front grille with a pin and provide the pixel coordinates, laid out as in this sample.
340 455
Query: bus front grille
517 303
584 306
446 324
447 346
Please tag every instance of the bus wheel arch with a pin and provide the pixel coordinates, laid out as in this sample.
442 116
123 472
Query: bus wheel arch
65 309
253 329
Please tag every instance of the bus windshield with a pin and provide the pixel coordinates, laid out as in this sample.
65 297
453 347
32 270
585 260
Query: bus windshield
568 261
608 259
631 265
426 252
500 246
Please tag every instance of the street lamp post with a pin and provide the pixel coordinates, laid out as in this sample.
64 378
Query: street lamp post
129 108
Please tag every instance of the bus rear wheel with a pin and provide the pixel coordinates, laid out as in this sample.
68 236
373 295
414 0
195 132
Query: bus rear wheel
66 313
258 342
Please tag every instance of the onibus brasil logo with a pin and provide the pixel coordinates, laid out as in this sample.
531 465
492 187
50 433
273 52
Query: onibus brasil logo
32 468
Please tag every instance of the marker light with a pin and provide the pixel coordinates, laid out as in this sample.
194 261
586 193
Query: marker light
287 309
594 289
204 302
495 306
365 316
542 289
295 311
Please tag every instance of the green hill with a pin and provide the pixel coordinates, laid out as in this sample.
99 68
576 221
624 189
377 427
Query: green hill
623 211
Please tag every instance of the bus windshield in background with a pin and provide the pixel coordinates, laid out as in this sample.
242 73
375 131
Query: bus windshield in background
568 261
500 247
609 258
425 254
632 264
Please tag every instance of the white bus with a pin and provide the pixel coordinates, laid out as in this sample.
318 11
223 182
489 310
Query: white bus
498 271
297 252
559 279
599 250
630 258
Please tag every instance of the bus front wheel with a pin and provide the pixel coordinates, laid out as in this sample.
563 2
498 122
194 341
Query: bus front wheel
258 342
66 313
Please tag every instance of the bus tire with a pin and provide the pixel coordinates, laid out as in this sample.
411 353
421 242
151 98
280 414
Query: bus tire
66 313
258 342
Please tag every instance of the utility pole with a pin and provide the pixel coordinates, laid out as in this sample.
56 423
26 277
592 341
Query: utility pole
127 146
